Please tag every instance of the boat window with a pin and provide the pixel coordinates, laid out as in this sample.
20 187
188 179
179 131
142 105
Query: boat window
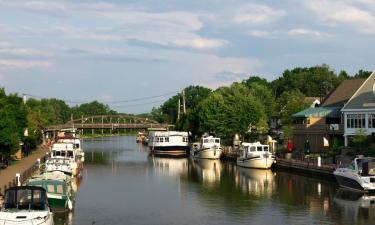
161 139
50 188
217 140
266 148
259 148
185 139
63 153
252 149
70 154
59 189
57 153
76 146
24 199
166 139
371 168
205 140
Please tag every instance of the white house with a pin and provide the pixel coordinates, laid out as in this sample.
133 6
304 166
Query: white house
359 111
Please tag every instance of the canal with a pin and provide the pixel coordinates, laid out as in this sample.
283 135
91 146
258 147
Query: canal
122 184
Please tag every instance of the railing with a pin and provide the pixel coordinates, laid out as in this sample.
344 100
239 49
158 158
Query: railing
24 176
321 128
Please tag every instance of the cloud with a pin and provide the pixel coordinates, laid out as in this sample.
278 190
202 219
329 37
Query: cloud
257 14
304 32
228 76
343 13
23 64
39 6
261 33
13 51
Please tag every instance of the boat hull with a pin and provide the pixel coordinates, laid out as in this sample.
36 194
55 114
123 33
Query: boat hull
208 153
256 162
349 183
57 203
170 150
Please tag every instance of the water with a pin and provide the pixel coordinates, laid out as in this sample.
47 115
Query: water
122 184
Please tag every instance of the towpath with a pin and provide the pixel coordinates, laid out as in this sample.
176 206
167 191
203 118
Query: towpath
7 175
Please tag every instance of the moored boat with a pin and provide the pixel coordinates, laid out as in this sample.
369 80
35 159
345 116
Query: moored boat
169 143
26 205
359 175
59 190
63 155
208 148
255 155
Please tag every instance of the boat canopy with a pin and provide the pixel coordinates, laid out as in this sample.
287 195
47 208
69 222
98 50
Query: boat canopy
366 166
25 198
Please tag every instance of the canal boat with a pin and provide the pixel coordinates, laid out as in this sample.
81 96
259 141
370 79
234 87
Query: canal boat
26 205
59 189
208 148
359 175
61 165
141 137
255 155
169 143
63 154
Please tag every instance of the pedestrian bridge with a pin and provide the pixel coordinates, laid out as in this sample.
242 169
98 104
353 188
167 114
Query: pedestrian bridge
109 122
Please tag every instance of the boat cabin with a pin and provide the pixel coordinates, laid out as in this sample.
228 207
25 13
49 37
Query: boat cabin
364 166
56 187
25 198
210 141
253 148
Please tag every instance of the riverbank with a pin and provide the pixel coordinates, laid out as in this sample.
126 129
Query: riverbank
24 167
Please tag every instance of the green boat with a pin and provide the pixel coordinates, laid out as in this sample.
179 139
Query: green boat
59 190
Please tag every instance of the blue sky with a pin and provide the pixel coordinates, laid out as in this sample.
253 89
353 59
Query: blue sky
119 50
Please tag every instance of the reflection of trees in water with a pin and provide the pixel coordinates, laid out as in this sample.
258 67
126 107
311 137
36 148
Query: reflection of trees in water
63 218
100 158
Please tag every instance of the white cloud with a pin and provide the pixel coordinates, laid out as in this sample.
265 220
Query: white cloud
38 6
296 32
22 51
23 64
261 33
343 13
257 14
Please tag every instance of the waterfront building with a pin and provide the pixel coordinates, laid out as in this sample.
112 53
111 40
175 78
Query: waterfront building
323 123
359 111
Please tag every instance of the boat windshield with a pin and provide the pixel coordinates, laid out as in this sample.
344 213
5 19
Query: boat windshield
26 199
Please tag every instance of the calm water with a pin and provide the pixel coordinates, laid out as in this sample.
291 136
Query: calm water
122 184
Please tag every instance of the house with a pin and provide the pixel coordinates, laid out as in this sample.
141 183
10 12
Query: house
323 122
359 111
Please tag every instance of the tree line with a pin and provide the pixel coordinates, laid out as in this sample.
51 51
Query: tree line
247 107
22 123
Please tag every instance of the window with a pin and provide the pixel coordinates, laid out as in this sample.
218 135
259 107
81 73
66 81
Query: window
371 121
161 139
185 139
166 139
355 121
266 148
50 188
217 141
205 140
259 148
252 149
59 189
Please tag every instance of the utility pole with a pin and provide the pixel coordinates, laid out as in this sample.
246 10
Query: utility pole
184 101
179 109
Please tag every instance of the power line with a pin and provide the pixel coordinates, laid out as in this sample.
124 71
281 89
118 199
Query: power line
111 102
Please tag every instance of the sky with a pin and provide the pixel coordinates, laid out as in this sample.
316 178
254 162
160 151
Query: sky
121 52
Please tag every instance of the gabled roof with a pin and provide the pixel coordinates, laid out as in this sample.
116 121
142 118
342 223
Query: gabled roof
364 97
341 95
332 112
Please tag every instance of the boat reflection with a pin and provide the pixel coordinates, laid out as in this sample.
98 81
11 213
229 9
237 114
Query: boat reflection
209 170
255 181
169 166
354 205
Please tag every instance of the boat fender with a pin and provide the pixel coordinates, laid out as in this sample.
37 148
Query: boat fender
70 205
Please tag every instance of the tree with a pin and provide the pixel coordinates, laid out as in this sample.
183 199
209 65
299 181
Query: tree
360 139
290 102
362 74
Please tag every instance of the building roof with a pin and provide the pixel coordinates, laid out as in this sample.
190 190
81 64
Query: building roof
341 95
364 97
319 112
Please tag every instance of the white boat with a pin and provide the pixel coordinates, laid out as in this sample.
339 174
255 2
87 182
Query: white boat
359 175
208 148
26 205
169 143
63 155
255 155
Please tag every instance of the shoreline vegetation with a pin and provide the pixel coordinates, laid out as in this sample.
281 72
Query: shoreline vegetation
245 107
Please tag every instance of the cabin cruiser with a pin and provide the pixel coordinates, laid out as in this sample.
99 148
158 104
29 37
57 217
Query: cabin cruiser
255 155
59 189
70 136
169 143
359 175
63 157
208 148
26 205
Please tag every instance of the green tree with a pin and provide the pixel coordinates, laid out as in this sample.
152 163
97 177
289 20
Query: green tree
362 74
289 103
